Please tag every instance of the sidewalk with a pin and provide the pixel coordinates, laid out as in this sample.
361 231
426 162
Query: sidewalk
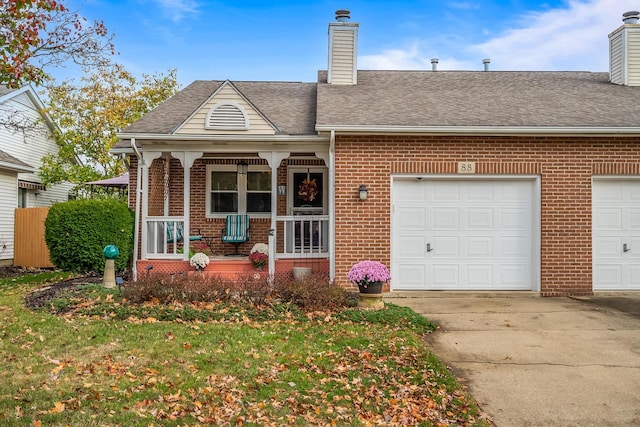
533 361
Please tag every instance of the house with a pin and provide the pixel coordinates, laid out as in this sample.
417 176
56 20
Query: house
457 180
25 137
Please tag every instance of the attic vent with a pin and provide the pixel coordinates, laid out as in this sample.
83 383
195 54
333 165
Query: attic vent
227 117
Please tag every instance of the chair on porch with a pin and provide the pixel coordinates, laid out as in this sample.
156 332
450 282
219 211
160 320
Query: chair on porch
179 233
236 231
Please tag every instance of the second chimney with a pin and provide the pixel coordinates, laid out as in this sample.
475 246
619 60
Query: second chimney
343 44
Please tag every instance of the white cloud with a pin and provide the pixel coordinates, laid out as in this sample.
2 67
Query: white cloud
176 10
573 37
405 59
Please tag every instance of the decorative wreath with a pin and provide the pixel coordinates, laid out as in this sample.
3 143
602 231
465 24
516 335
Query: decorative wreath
308 190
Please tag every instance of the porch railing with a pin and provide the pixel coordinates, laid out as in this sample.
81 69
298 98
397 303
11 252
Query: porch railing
302 235
296 236
162 237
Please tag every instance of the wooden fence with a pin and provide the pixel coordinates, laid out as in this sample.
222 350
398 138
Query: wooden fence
30 249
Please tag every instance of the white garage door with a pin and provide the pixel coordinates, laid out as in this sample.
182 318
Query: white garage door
462 234
616 235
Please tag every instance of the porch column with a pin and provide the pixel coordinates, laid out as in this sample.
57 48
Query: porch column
147 158
186 160
273 158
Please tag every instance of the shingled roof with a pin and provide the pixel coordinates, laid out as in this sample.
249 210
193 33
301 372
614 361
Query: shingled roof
291 106
477 98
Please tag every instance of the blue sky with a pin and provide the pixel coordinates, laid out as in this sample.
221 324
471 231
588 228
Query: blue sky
287 40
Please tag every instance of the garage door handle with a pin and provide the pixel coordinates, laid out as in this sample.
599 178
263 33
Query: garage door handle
625 248
429 248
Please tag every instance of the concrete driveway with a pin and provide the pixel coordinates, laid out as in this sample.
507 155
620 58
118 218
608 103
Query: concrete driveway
533 361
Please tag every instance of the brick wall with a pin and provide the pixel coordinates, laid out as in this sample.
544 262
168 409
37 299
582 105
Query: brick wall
566 167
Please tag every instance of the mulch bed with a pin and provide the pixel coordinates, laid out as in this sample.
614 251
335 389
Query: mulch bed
39 297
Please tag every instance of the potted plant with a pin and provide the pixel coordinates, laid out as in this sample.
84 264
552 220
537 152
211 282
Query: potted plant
199 261
259 255
369 276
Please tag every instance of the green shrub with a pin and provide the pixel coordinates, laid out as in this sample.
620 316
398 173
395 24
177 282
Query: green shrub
77 231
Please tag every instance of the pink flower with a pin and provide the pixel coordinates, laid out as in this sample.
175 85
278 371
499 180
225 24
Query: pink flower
366 272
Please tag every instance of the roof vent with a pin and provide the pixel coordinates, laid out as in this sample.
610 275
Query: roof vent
486 63
227 116
631 17
343 15
434 64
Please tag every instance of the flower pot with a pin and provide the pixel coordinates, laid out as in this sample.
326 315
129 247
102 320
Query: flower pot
371 288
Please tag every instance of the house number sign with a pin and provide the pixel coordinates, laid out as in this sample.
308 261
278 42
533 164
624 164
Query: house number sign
466 167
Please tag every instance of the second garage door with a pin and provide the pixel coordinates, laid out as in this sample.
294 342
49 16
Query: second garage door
463 234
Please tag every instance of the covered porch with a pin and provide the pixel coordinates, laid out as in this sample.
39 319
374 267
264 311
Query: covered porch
185 198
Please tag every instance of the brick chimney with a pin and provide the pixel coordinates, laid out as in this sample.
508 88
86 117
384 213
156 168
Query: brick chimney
624 51
343 43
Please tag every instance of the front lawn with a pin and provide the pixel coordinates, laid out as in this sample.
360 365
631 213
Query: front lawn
90 358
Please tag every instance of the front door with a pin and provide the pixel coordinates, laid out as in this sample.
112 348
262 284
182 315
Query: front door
307 203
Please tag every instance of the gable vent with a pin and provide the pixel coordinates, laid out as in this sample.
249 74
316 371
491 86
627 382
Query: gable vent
227 117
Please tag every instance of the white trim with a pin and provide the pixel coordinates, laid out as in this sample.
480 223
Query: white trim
482 130
216 138
536 214
241 190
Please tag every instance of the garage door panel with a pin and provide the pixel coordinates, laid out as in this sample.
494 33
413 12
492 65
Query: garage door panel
445 276
446 218
446 247
513 274
512 192
634 193
479 219
445 191
411 247
479 192
634 219
476 228
514 219
515 246
411 191
412 276
607 191
634 278
480 247
480 276
608 247
412 219
608 276
608 218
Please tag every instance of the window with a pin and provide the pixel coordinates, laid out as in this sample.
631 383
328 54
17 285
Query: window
22 197
230 193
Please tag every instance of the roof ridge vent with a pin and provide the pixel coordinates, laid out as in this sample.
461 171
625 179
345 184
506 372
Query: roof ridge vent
631 17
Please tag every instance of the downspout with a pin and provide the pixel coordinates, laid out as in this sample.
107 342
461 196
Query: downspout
134 267
332 206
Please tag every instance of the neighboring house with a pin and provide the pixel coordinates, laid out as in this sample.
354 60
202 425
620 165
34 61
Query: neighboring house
481 180
25 137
